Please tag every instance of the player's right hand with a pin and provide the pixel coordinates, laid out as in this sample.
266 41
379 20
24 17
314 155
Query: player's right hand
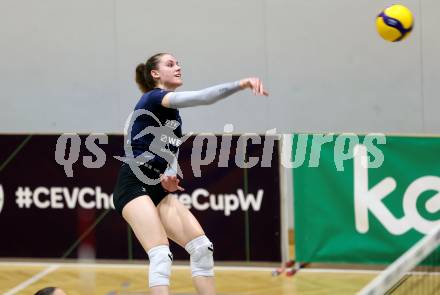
255 84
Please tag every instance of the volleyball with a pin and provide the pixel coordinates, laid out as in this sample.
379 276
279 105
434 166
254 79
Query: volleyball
394 23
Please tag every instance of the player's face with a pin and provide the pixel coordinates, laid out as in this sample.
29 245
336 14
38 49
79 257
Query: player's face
169 72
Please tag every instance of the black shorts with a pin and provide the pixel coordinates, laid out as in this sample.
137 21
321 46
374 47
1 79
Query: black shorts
129 187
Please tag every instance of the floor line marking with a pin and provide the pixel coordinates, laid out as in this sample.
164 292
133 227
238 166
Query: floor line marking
143 266
32 280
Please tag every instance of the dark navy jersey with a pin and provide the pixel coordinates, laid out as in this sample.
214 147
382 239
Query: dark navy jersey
159 130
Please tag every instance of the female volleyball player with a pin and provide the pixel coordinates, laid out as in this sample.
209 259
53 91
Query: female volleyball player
152 213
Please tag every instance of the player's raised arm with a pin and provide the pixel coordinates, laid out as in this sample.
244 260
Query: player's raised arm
212 94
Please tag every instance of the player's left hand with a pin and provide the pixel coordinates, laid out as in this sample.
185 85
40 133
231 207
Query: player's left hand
170 183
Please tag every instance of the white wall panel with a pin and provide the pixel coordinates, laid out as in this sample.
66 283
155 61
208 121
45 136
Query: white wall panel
57 66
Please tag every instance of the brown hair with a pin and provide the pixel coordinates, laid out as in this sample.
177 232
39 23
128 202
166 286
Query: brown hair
144 79
46 291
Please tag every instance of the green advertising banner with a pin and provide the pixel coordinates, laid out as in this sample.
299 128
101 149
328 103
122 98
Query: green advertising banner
363 199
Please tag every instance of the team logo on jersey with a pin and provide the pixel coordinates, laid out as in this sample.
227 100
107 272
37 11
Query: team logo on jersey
2 198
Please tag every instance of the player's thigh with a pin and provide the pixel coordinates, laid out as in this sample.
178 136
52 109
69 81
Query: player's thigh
142 215
180 224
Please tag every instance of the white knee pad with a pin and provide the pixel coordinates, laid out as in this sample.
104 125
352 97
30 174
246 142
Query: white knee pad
201 255
160 266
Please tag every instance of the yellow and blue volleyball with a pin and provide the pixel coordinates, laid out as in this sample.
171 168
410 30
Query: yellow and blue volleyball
395 23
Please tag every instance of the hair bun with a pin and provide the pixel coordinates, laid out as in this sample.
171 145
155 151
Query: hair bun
141 67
